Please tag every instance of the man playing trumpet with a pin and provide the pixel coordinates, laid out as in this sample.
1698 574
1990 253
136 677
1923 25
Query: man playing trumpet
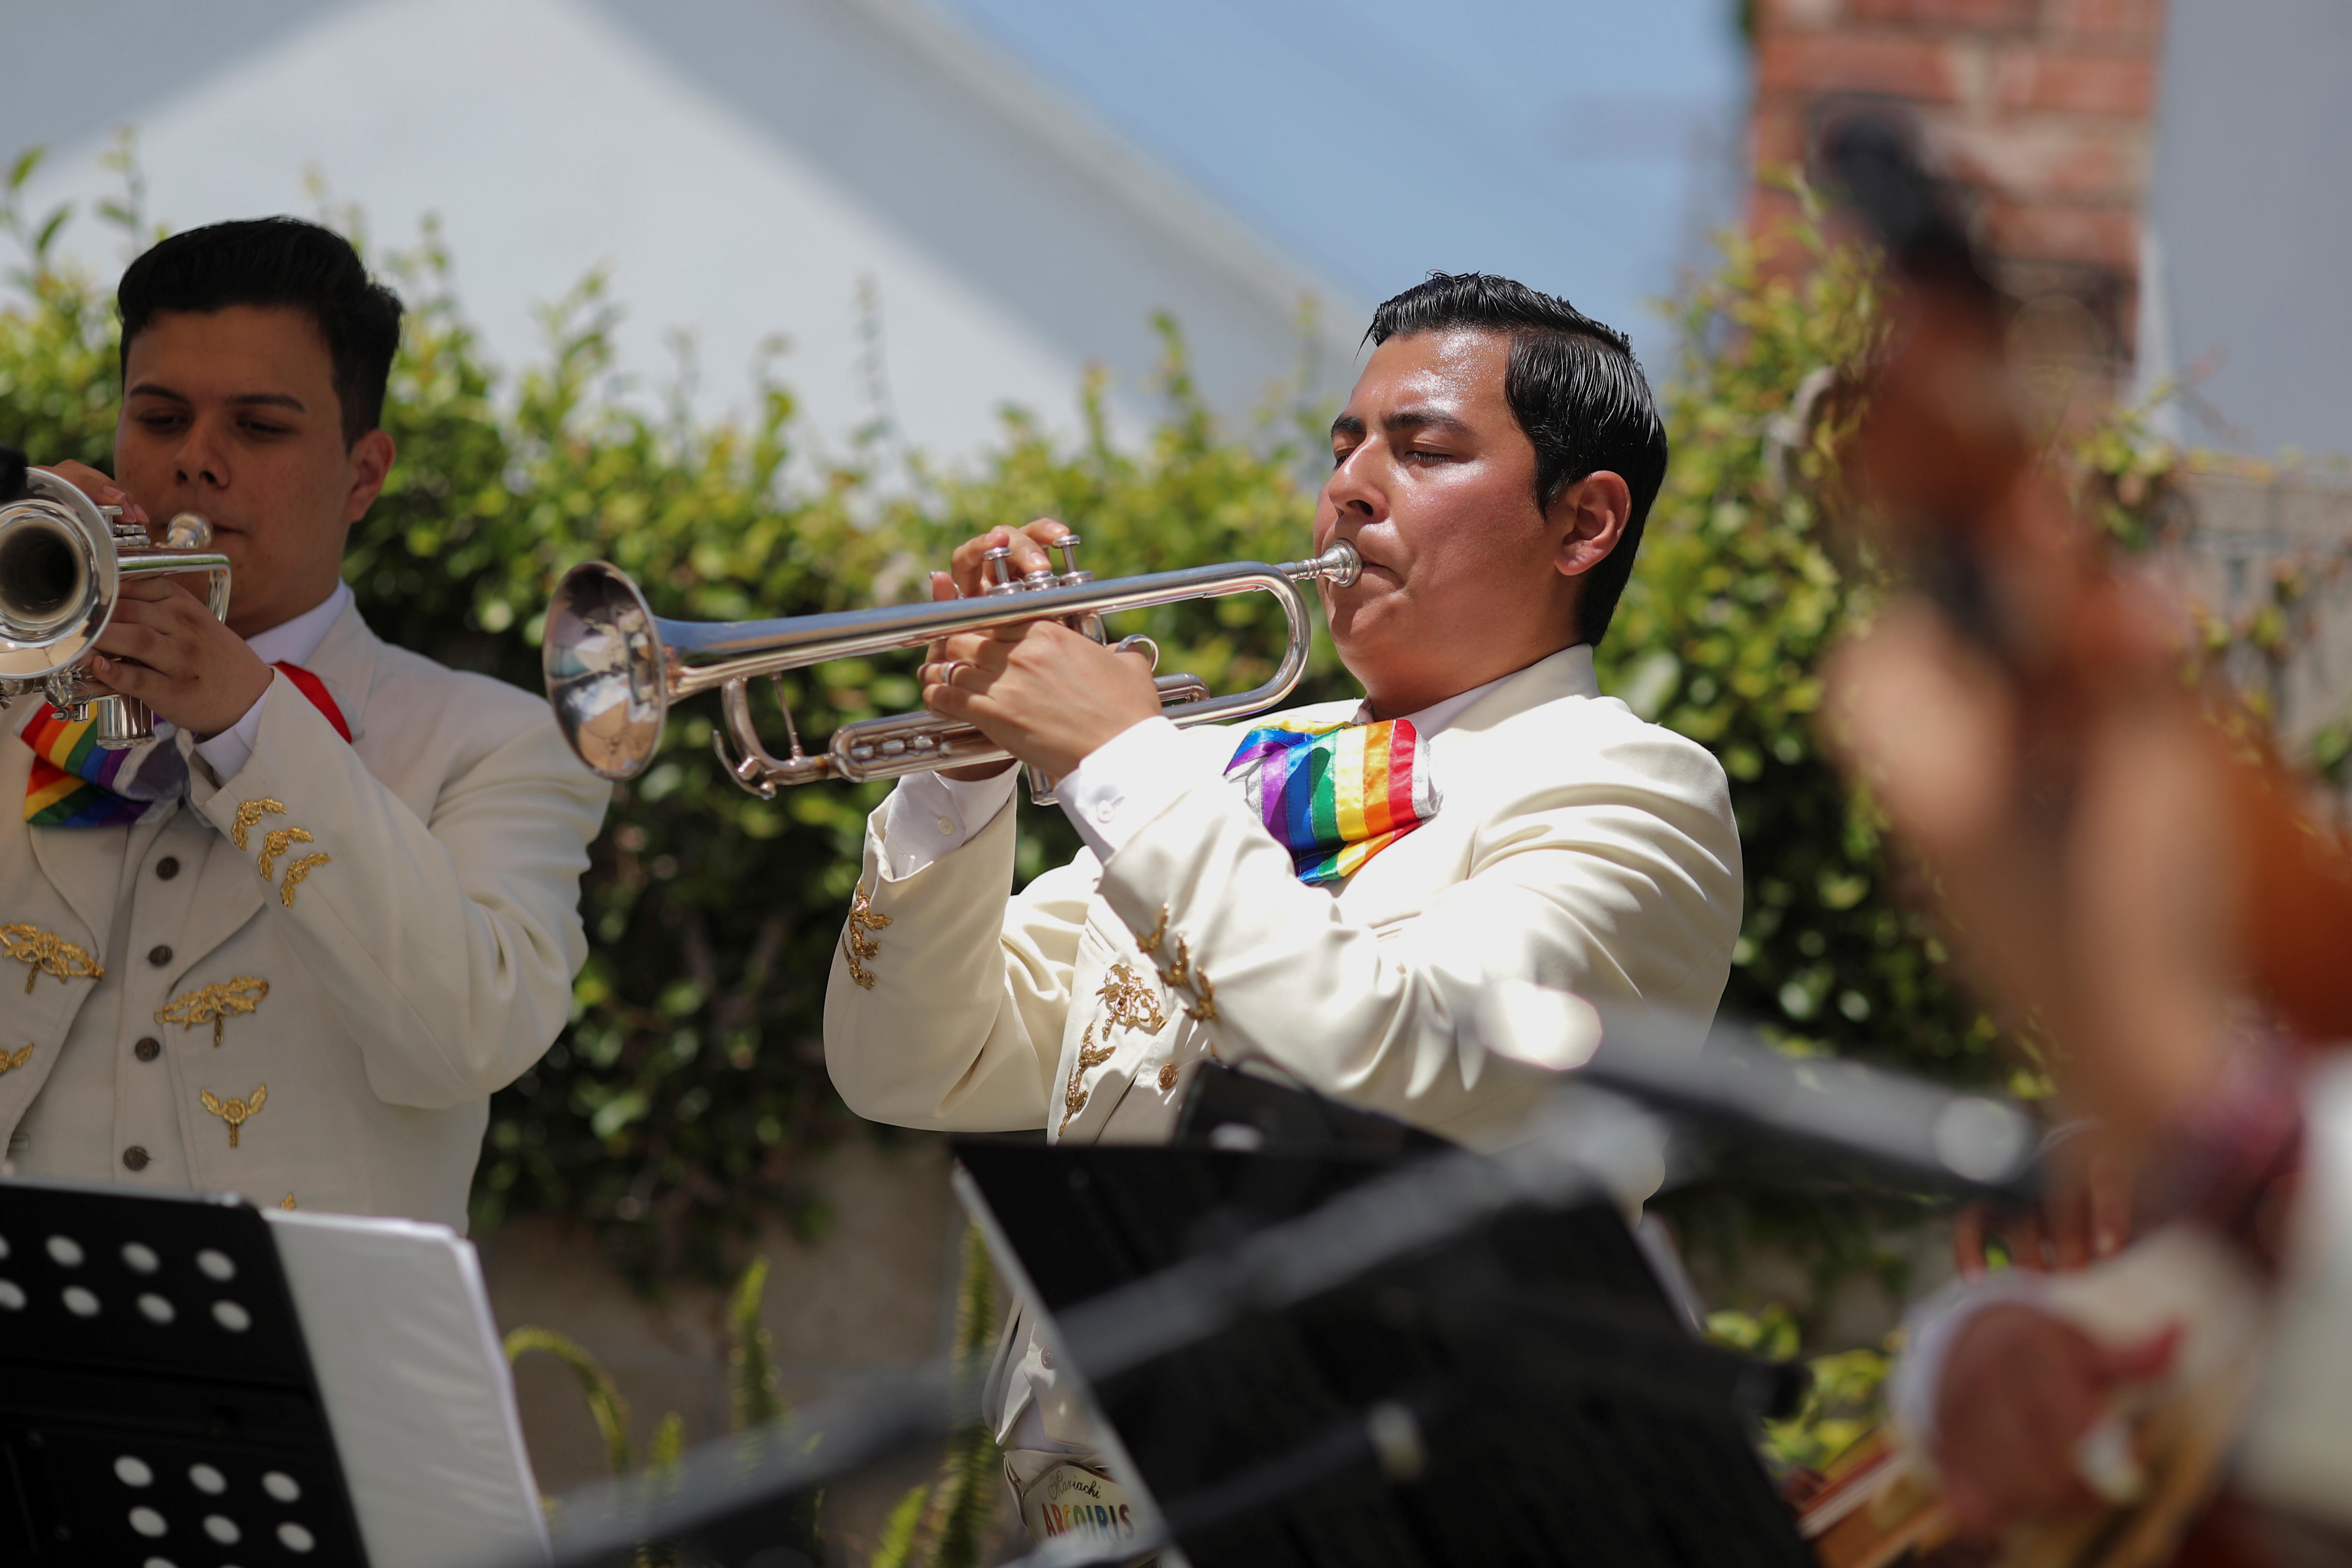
1329 891
291 946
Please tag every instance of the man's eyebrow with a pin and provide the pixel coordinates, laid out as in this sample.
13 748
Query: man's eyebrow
243 400
1347 425
1406 420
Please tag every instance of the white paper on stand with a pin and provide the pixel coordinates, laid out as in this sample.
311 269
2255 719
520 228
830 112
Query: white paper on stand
417 1388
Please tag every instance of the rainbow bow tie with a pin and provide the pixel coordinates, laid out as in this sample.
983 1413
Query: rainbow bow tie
1335 795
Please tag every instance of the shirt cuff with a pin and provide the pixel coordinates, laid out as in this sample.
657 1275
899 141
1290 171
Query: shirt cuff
1124 783
930 815
228 753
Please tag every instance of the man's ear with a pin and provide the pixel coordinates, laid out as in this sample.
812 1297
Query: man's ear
372 457
1589 518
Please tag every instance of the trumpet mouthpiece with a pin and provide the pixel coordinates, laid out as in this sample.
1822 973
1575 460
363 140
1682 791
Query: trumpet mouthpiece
1339 566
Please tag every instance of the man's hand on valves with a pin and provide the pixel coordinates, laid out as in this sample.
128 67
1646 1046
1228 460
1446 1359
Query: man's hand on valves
1044 692
163 646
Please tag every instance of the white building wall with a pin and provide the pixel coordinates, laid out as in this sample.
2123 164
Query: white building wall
742 168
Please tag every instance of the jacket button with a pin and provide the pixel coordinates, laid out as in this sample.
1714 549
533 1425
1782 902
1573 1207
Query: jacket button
167 867
159 955
148 1049
135 1157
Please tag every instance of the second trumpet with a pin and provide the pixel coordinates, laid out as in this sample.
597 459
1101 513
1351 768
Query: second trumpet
613 667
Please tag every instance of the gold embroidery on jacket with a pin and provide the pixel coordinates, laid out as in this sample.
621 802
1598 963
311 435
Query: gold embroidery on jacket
1180 976
286 1202
213 1004
1206 991
47 953
236 1112
251 812
855 942
296 873
276 844
1149 945
10 1063
1090 1056
1133 1004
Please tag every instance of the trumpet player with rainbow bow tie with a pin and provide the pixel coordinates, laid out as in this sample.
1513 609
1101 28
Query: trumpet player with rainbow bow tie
286 936
1330 889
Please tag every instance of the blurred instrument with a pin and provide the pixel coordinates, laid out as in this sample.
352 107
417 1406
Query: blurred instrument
613 666
1966 509
62 561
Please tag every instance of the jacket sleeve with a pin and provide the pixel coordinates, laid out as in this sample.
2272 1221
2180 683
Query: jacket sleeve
449 941
1619 882
946 1002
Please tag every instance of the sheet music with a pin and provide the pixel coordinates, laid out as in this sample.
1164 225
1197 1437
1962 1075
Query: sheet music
409 1361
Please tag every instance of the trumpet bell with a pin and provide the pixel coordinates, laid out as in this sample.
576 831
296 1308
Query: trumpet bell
57 577
604 661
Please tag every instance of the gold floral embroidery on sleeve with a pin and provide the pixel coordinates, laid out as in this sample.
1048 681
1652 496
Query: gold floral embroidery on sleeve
251 812
236 1113
276 844
855 944
1090 1056
10 1063
1149 944
215 1004
47 953
296 873
1179 974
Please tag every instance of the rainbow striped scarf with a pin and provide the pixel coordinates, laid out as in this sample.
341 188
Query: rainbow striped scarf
1335 795
76 785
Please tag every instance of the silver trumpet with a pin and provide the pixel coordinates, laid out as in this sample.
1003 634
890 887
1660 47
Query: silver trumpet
62 561
613 666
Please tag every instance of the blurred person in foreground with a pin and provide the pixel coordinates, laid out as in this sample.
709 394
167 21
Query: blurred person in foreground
2126 876
290 948
1328 889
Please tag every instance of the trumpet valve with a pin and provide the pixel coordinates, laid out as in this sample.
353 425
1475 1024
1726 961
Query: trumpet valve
996 571
122 723
1071 577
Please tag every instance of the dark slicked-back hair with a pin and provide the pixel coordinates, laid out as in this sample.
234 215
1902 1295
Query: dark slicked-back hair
1576 389
276 263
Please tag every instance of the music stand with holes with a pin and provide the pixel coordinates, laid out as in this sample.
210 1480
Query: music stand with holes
157 1403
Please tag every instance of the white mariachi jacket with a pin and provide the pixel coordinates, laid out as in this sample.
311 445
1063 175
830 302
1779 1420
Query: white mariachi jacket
315 972
1576 846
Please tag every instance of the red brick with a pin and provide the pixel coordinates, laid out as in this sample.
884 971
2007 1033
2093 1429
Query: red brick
2000 15
2047 158
2075 82
1772 16
1914 69
1776 138
2044 231
2117 21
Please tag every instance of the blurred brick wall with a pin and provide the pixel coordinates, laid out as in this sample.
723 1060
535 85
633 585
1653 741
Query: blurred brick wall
2041 109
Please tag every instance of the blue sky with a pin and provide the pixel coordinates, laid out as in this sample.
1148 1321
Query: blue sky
1586 147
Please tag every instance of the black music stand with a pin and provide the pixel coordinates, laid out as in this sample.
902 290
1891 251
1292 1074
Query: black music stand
157 1405
1523 1392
